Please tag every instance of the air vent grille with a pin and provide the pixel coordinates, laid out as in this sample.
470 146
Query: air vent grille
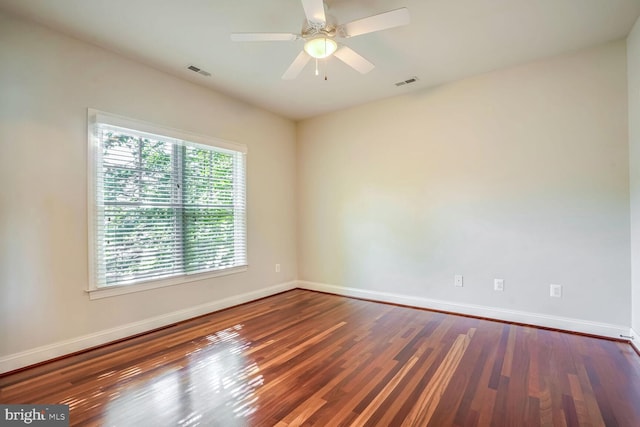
199 70
407 82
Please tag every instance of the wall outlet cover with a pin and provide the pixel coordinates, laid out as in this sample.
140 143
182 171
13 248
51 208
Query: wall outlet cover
458 280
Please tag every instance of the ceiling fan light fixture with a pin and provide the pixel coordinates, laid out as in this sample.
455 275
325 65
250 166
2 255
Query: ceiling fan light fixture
320 47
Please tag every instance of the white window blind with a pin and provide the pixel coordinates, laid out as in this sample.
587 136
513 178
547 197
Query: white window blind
165 207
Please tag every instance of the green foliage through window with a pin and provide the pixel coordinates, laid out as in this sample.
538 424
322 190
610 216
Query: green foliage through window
165 207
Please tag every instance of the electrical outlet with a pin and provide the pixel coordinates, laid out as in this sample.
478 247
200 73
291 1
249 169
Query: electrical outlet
498 284
458 280
277 268
555 291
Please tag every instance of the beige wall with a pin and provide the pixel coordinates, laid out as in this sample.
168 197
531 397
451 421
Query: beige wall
633 58
519 174
47 82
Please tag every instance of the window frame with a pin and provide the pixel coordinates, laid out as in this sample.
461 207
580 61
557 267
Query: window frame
93 118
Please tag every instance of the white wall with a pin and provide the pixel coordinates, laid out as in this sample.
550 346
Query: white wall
47 82
520 174
633 73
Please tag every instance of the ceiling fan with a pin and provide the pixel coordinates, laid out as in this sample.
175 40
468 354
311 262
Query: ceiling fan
320 33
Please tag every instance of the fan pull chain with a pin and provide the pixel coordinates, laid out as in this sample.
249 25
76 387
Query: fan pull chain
317 72
325 69
325 61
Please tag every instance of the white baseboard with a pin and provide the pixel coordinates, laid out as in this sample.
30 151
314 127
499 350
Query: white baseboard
536 319
635 339
51 351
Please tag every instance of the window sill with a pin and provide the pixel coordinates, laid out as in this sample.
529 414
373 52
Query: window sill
111 291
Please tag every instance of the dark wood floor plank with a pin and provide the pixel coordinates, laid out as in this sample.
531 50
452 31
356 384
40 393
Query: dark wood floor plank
494 380
484 399
467 378
303 358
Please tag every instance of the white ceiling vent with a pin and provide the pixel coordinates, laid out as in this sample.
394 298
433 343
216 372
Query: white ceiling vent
198 70
407 82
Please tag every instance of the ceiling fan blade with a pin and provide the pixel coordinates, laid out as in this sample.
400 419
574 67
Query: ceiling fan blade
263 37
352 59
296 66
314 10
382 21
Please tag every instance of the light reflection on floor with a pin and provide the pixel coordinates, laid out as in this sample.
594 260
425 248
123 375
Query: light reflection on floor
215 387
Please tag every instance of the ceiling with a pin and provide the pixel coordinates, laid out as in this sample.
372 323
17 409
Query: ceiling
446 40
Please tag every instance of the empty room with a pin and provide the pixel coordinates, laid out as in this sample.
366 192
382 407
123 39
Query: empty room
329 213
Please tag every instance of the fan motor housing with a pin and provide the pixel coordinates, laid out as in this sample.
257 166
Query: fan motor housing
315 29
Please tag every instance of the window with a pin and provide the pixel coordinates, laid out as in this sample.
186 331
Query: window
165 206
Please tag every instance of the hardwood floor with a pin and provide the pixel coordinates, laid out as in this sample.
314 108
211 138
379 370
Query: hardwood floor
305 358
